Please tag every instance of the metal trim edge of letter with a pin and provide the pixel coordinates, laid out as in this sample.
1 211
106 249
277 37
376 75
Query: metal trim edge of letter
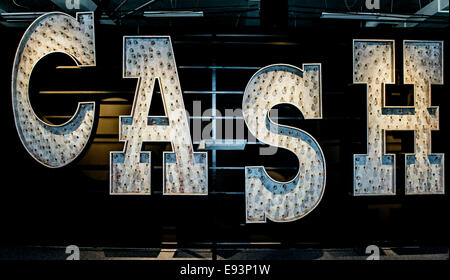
53 145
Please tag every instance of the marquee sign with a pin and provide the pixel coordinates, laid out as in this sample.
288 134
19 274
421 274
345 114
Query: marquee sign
373 64
53 146
151 60
265 197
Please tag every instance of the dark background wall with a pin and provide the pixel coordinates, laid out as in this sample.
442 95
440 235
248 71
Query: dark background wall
42 206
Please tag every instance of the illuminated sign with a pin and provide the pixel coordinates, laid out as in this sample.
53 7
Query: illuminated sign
373 64
151 60
265 197
53 145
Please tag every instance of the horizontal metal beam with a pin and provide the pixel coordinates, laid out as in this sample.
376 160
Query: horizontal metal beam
213 92
430 10
159 167
75 92
172 14
371 16
222 144
20 17
221 67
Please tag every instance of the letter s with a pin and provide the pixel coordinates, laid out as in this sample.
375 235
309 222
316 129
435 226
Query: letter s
284 201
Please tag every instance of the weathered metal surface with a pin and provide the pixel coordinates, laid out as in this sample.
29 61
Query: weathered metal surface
53 145
151 60
423 65
265 197
373 64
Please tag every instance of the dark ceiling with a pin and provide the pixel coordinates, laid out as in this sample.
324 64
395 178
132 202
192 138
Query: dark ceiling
242 13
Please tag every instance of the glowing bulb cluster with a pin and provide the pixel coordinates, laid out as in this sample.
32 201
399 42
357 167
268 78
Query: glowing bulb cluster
265 197
151 60
373 64
53 145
